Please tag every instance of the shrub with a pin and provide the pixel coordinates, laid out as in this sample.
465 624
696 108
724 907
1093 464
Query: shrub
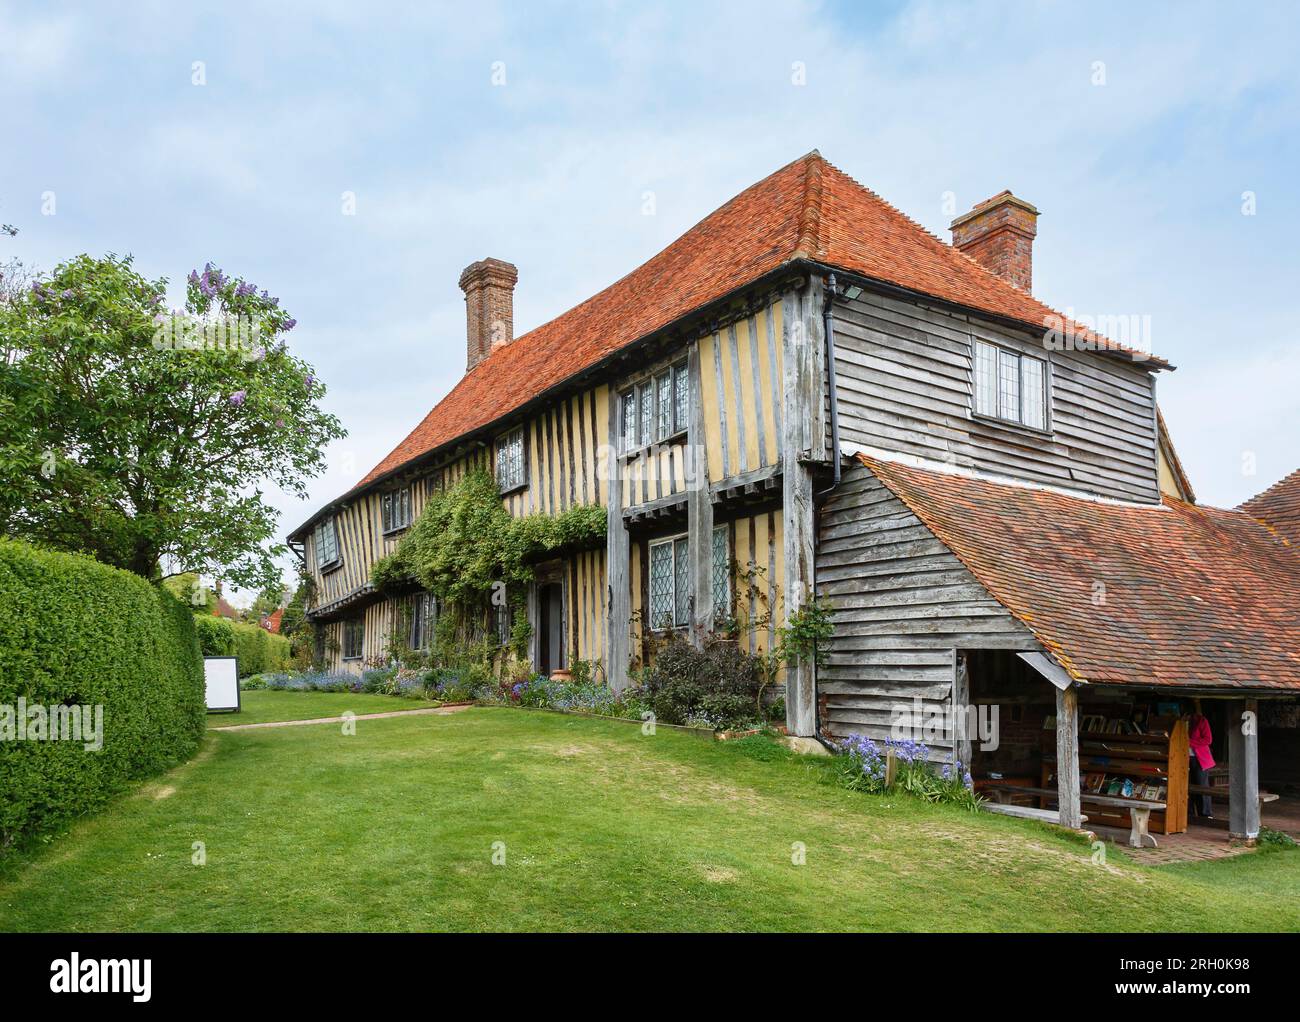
79 633
718 686
377 679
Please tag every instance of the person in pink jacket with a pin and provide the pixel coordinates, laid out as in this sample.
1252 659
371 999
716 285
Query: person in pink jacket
1200 759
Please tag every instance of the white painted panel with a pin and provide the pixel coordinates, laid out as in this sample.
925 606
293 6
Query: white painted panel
222 680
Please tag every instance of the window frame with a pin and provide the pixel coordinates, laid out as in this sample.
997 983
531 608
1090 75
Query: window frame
679 571
424 618
721 613
388 503
336 561
664 417
503 439
1002 355
349 625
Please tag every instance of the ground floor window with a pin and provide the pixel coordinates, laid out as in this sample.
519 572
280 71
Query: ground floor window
354 637
671 587
721 574
424 618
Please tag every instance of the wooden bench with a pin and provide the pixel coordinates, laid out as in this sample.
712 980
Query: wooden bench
1221 792
1139 809
1027 812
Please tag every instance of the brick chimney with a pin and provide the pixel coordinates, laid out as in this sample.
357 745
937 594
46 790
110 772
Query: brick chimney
489 287
999 235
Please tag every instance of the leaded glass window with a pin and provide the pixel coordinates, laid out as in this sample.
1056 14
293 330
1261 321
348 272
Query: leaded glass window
721 574
1008 385
662 585
510 460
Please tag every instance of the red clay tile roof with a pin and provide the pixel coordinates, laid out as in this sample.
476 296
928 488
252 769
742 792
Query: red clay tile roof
1279 507
1194 596
272 621
806 210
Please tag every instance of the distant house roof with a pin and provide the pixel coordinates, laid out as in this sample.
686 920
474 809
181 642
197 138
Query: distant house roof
1193 597
1279 507
271 622
223 609
806 212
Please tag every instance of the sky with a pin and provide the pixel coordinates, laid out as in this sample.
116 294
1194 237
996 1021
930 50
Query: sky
1160 143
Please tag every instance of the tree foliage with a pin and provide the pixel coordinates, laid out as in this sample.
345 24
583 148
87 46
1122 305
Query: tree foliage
139 435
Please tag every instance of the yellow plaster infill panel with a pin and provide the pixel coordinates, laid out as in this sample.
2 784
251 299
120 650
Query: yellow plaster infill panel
769 396
728 391
745 381
709 396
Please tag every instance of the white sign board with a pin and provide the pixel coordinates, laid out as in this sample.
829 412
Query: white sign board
222 682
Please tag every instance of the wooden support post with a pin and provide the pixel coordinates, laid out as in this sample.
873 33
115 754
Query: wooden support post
618 547
1243 769
803 431
699 509
1067 756
962 747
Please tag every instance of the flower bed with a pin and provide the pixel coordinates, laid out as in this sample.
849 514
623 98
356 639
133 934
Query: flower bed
902 765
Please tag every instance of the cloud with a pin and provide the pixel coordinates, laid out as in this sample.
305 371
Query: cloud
1139 180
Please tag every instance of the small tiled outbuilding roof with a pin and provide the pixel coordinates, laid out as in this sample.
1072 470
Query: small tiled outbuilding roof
808 211
1279 507
1176 594
271 622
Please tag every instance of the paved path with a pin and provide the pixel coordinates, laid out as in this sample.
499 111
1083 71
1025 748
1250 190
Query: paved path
440 711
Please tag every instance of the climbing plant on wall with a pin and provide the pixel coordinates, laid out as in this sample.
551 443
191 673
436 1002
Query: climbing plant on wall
466 544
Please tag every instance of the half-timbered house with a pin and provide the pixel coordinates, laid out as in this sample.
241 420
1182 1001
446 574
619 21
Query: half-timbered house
808 394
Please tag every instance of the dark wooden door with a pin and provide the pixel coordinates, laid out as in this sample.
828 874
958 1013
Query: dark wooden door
550 627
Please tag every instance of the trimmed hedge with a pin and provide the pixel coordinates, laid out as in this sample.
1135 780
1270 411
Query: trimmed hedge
256 650
77 632
216 637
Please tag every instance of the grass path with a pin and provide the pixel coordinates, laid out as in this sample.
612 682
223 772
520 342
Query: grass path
602 828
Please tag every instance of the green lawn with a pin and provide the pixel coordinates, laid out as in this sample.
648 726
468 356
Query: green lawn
263 705
603 829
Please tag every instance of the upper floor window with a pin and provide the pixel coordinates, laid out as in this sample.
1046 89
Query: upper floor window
1010 386
510 460
396 508
354 636
327 544
657 409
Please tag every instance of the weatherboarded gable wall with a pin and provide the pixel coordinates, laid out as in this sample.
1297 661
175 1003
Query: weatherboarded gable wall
904 384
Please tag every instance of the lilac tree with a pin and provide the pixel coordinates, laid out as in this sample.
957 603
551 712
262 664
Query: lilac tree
143 435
